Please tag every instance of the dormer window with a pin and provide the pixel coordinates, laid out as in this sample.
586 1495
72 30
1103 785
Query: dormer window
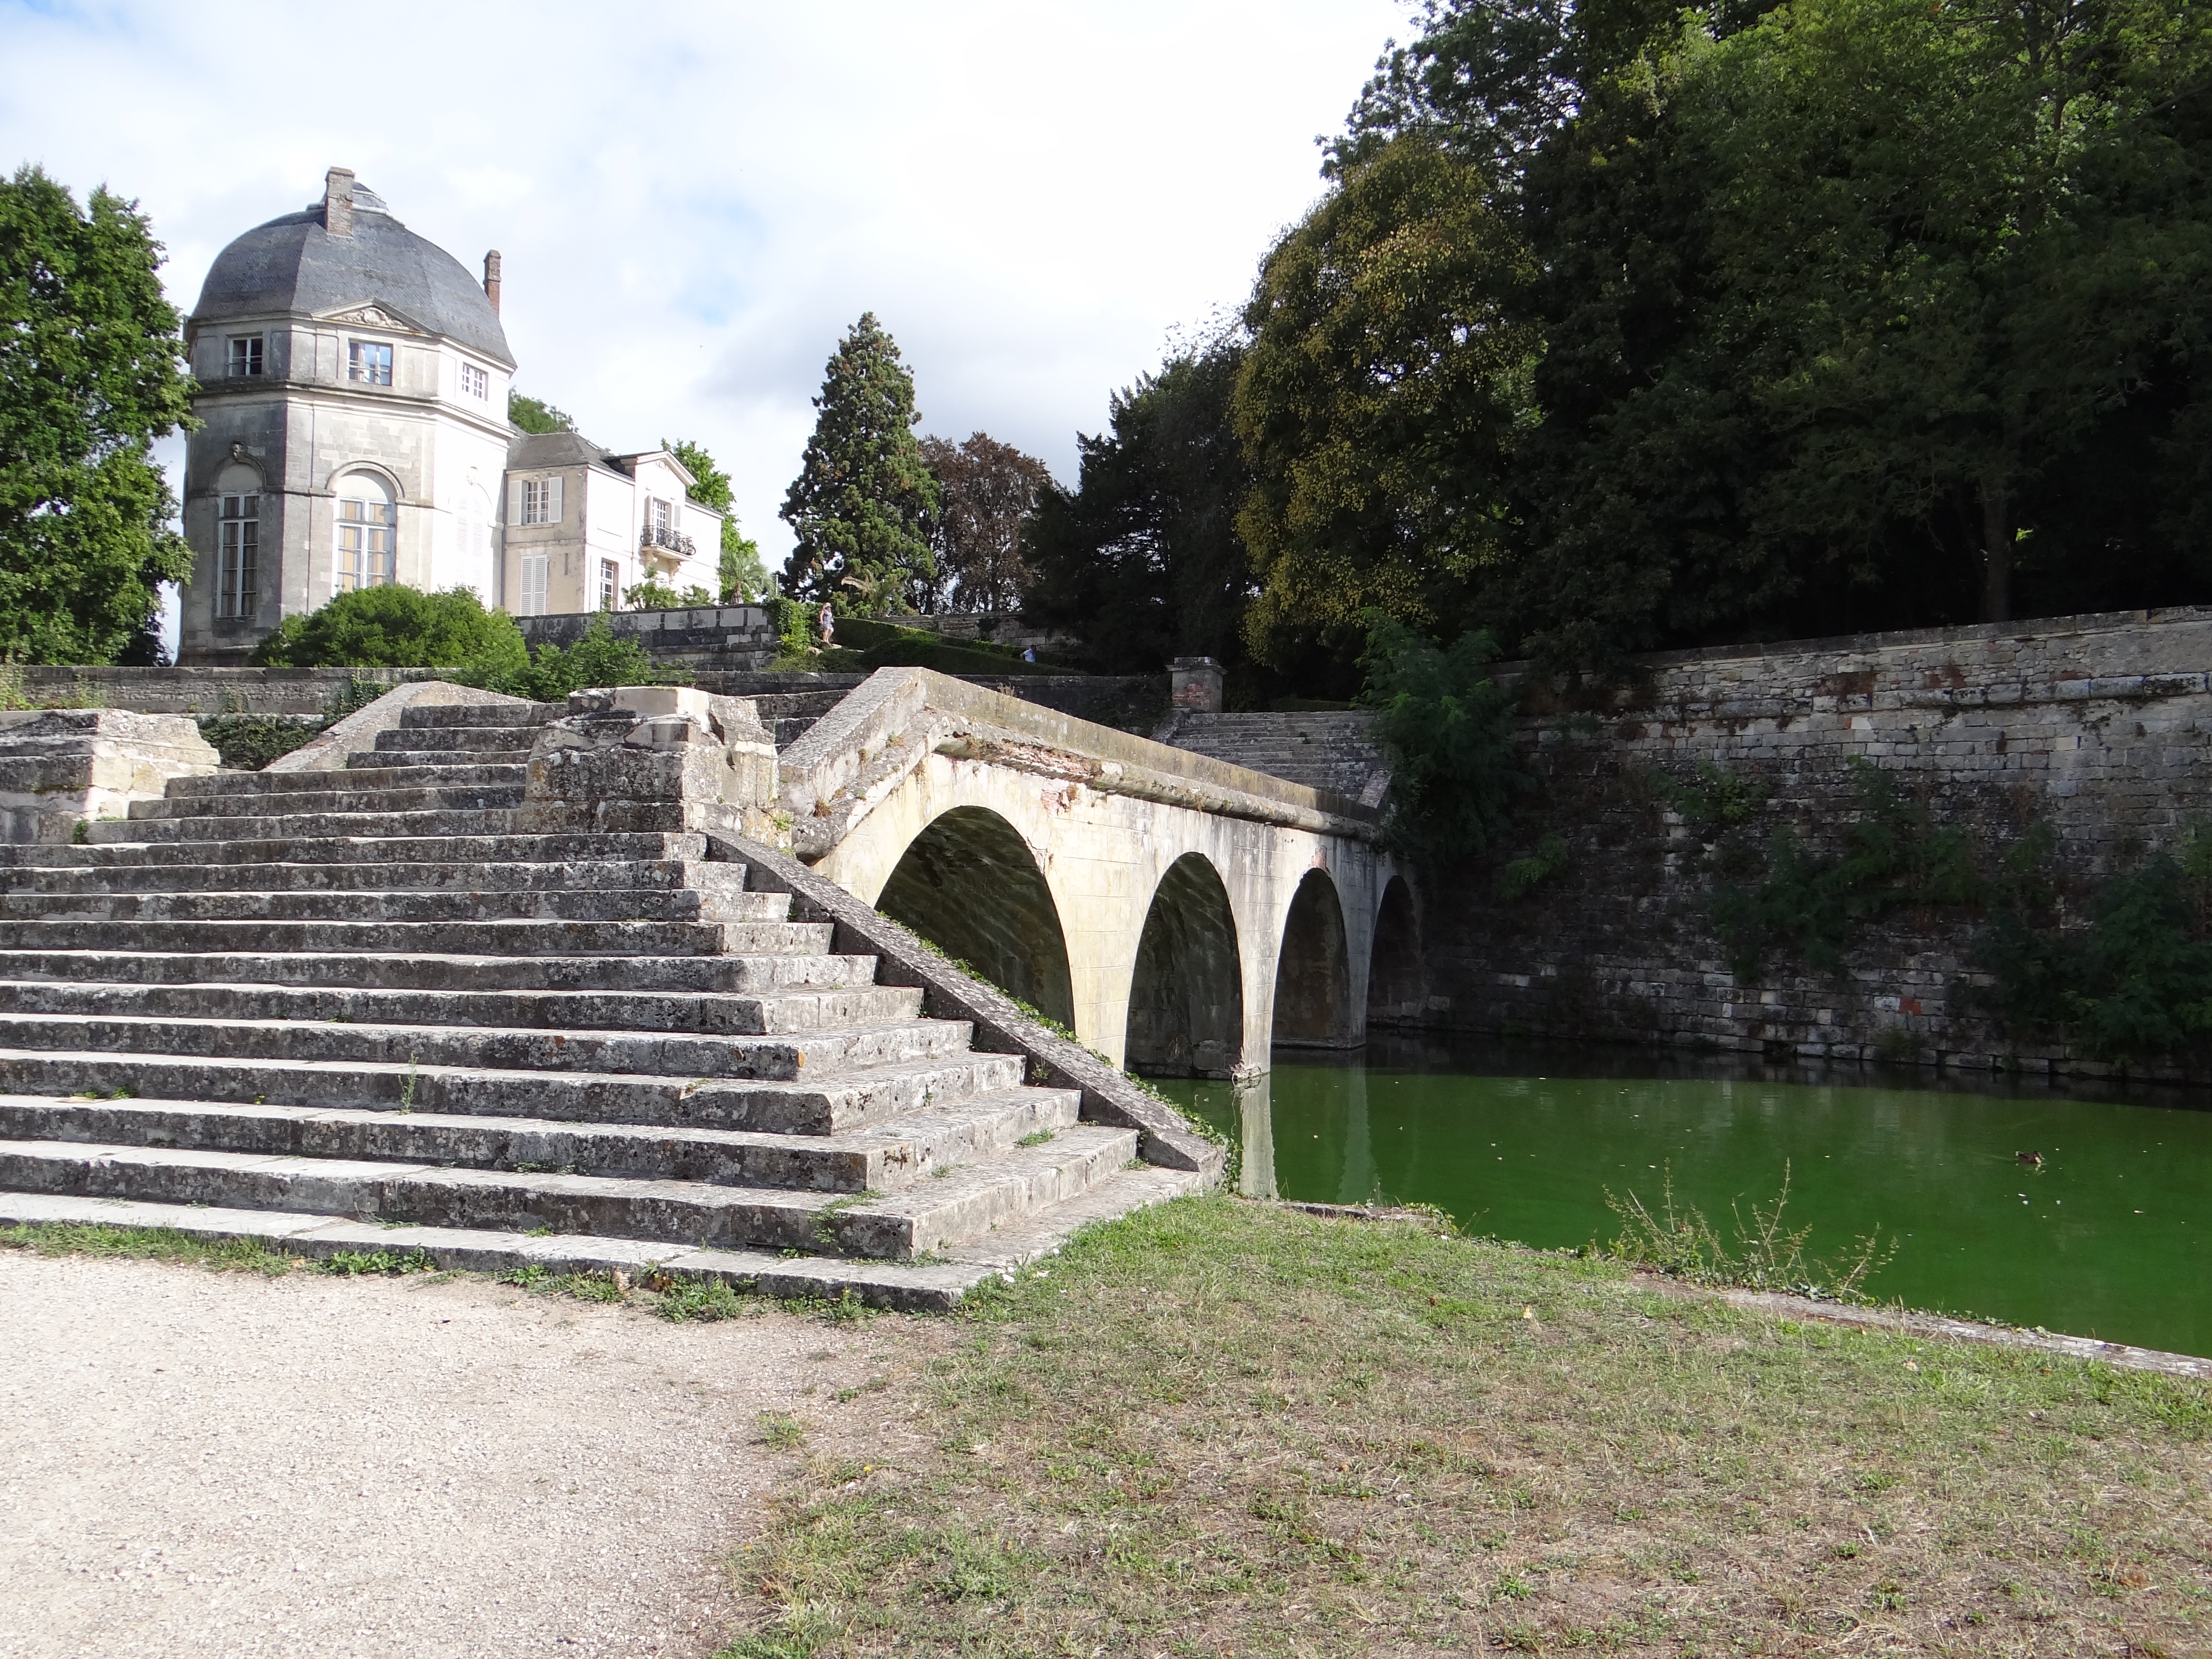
245 354
369 361
475 382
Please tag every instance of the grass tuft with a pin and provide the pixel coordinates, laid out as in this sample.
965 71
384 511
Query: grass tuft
151 1244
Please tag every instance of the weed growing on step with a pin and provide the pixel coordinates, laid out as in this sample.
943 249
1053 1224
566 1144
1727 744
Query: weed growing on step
1216 1426
150 1243
350 1263
1041 1138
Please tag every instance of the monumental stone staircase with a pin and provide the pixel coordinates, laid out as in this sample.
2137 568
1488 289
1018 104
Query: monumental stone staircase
360 1010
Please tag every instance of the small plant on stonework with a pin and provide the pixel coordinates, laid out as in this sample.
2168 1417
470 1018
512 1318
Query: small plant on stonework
1524 875
1714 797
1895 856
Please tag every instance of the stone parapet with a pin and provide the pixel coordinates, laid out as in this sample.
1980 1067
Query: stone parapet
730 636
296 693
60 766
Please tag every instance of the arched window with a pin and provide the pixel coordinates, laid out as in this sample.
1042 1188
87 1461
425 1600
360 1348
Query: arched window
238 541
368 534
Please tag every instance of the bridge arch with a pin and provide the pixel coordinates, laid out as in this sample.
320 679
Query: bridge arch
1314 1007
1397 979
969 884
1187 995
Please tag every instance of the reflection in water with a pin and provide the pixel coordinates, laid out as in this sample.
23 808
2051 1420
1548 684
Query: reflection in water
2108 1236
1255 1139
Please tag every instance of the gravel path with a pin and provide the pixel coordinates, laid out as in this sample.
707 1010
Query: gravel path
221 1464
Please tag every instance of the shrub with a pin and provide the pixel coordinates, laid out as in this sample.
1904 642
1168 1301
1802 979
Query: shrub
551 674
397 626
1448 729
655 595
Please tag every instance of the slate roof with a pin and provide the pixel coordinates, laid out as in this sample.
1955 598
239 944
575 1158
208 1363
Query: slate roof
528 450
294 264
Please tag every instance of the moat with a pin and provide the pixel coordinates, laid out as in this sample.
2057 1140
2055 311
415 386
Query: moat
2109 1237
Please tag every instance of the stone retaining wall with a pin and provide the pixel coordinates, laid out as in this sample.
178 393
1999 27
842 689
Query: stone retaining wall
303 693
735 636
2096 725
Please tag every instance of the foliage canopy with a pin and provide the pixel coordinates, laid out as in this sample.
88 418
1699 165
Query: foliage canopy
395 626
987 492
93 369
740 575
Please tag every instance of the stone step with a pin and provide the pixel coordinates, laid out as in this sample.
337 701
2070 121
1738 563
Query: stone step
593 904
917 1219
650 817
470 774
936 1286
519 939
878 1159
898 1226
370 760
767 1013
259 803
430 716
481 739
847 1100
781 1057
383 876
430 971
560 848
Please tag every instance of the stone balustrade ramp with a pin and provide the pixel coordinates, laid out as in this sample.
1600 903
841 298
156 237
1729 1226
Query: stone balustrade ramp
364 1008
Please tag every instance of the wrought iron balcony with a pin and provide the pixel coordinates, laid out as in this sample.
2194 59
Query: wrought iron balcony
661 535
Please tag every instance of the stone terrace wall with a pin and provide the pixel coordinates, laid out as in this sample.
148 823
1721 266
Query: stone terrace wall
304 693
736 637
2096 725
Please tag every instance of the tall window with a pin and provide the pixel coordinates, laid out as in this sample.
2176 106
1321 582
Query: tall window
369 362
367 522
535 566
237 555
657 519
245 354
610 585
475 382
541 500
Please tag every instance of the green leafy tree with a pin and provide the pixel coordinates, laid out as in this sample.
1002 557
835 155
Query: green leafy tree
862 504
92 371
1380 401
1447 728
743 577
1142 559
536 416
395 626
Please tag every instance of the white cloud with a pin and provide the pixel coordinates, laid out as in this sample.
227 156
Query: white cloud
694 201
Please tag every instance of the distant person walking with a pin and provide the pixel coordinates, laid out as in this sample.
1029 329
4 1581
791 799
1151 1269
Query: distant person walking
1029 653
828 620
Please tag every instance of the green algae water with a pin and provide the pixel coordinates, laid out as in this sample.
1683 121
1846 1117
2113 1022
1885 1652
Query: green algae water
2110 1236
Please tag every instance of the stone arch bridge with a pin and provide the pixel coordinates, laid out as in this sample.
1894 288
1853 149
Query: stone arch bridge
1180 915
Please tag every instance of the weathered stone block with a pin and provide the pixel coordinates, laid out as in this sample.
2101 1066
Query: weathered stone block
59 767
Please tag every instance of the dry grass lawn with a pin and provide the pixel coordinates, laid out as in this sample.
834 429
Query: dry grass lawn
1221 1428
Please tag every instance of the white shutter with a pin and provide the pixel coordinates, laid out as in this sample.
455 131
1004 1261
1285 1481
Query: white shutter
514 501
553 514
533 584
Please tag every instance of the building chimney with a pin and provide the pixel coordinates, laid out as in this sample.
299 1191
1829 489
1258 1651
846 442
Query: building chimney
491 280
337 201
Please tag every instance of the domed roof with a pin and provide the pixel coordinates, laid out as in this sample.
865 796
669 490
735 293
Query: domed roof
294 265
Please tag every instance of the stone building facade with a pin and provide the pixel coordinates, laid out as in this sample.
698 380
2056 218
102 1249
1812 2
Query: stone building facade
354 383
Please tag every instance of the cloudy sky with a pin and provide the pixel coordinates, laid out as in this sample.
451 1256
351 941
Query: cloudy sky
693 201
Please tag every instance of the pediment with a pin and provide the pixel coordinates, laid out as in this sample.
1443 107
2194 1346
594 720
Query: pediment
373 314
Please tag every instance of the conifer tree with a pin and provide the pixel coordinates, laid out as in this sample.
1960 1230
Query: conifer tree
862 503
